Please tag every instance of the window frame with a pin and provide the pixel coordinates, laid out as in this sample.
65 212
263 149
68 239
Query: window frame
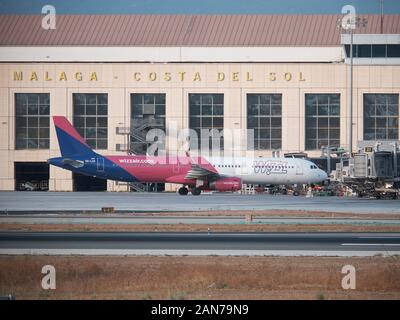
34 117
381 102
91 103
208 101
139 103
267 130
322 121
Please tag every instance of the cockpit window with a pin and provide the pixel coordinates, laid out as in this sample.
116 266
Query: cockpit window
313 166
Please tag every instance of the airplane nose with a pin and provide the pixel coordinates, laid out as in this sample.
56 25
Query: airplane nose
323 175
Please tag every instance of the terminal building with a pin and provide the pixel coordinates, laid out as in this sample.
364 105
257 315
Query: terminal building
115 77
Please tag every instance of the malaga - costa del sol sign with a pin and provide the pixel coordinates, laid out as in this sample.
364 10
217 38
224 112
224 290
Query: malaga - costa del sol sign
154 76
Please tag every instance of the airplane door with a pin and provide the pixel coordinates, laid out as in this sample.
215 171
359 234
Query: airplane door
299 167
100 164
175 168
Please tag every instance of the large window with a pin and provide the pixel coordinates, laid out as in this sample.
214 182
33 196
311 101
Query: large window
32 120
264 116
147 113
374 50
206 111
381 116
90 118
322 121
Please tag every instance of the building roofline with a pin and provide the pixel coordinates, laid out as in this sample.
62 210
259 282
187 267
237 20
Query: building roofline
184 30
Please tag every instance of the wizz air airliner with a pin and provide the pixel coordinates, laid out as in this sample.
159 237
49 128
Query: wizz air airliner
196 174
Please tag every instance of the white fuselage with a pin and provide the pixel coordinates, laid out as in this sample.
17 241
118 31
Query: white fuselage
269 170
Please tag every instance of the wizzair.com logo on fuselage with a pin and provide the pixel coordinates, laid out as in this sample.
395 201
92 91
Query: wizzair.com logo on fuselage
134 161
270 167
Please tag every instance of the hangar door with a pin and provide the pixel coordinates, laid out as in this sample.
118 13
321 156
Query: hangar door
86 183
31 176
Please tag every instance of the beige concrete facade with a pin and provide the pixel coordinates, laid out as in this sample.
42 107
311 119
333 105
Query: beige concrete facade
177 80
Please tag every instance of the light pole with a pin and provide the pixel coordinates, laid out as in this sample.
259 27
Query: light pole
349 24
350 98
381 4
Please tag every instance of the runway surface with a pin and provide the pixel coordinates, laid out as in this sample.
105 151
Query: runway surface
143 219
32 202
100 243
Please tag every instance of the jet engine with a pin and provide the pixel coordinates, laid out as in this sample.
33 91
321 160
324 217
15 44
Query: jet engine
226 184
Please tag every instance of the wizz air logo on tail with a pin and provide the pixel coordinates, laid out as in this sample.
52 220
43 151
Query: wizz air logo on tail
270 167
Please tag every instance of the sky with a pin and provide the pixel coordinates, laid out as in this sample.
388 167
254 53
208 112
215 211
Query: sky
197 6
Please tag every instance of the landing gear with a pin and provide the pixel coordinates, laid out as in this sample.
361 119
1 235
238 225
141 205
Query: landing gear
183 191
195 191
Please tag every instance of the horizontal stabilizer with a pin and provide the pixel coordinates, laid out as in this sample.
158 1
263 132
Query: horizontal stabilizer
73 163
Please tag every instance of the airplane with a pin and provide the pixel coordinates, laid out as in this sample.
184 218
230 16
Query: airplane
196 174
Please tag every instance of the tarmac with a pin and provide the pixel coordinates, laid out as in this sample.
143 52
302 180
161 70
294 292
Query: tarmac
120 219
42 202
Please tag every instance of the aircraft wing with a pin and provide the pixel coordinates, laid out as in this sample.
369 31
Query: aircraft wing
73 163
198 172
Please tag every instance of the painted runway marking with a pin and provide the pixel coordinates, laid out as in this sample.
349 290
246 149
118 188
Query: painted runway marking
371 244
383 237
